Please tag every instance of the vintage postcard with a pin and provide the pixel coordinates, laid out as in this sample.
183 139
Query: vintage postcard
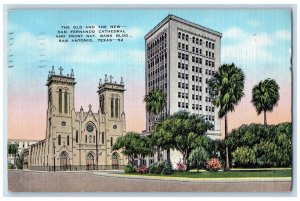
149 100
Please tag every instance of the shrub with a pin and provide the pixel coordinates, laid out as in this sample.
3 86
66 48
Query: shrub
244 157
155 168
160 167
213 165
142 169
267 154
167 170
181 167
271 145
129 169
10 166
198 158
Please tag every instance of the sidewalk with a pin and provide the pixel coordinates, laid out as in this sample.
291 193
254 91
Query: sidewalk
198 180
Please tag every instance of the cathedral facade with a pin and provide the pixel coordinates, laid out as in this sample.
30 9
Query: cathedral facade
79 140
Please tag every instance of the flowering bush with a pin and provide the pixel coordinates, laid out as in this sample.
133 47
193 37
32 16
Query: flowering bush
180 167
142 169
213 165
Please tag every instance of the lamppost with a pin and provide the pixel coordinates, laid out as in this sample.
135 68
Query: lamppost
96 150
54 156
54 163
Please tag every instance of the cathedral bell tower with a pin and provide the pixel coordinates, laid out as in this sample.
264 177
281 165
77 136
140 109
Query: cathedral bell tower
60 101
111 98
111 109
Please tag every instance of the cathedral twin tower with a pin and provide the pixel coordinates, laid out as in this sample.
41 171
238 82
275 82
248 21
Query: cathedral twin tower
80 140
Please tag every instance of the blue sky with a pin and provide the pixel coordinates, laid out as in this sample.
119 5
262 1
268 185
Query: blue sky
257 40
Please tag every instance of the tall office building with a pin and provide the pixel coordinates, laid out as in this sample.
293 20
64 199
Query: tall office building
181 57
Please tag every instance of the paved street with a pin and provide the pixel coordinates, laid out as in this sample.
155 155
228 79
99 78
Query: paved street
19 181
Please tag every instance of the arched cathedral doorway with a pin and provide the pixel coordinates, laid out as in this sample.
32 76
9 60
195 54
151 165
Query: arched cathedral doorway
64 160
115 160
90 161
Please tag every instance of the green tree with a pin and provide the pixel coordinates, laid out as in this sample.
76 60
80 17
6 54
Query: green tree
13 149
162 137
198 158
270 146
227 89
20 161
133 145
182 129
265 95
155 102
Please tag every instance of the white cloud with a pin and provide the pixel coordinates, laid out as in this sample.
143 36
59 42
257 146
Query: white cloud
251 46
283 35
235 33
247 46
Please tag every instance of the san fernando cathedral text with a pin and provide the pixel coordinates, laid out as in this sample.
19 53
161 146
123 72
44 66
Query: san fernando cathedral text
79 140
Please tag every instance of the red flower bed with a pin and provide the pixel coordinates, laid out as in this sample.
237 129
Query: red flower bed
180 167
213 165
142 169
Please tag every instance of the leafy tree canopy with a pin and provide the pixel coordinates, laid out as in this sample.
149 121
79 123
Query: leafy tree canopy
133 144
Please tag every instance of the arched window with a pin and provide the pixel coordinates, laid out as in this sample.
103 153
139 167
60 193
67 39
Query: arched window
60 101
102 104
103 138
66 102
117 107
76 136
59 139
112 107
68 140
49 128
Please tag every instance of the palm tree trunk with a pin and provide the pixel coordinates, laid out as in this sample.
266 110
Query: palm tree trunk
265 118
227 168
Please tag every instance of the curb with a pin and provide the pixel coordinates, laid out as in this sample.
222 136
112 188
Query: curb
198 180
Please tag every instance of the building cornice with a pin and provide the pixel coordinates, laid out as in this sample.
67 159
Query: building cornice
178 19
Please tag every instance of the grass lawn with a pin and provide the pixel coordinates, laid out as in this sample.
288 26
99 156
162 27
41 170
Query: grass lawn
229 174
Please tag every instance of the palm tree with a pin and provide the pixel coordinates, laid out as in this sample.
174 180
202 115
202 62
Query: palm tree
227 89
265 95
155 102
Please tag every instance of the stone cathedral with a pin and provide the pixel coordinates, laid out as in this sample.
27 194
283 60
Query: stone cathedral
79 140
